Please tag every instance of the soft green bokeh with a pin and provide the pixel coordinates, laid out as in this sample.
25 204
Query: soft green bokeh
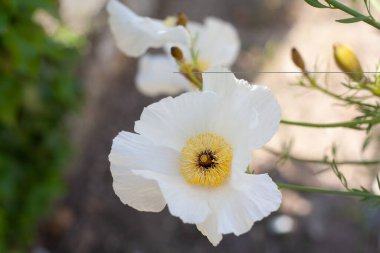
38 90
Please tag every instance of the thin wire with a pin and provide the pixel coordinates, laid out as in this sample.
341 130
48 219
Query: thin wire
278 72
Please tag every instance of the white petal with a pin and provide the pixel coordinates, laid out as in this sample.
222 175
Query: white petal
261 193
258 108
220 80
156 75
172 121
230 208
136 191
209 228
135 34
233 122
264 109
250 198
218 43
132 151
185 201
194 29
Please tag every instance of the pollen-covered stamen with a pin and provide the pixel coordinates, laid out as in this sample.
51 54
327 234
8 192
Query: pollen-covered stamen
206 160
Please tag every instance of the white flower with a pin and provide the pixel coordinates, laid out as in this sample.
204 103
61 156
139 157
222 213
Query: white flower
134 35
191 153
216 42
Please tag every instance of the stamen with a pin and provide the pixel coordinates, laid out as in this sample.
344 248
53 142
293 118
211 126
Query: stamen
206 160
177 54
182 19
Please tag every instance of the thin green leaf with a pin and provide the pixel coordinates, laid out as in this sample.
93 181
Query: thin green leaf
352 20
368 7
366 142
339 174
333 150
316 4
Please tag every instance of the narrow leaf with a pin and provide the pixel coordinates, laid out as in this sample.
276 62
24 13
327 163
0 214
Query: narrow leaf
316 4
366 142
352 20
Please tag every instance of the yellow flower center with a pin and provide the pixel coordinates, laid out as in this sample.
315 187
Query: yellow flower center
206 160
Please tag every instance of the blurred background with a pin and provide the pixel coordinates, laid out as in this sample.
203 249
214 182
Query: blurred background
66 91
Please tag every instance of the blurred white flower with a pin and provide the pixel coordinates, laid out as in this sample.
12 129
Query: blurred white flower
216 43
134 35
191 153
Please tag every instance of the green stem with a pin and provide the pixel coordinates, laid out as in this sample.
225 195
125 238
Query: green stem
325 161
315 85
351 124
353 13
195 80
326 191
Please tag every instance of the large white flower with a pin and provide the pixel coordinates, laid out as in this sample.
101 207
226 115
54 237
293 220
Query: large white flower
191 153
216 43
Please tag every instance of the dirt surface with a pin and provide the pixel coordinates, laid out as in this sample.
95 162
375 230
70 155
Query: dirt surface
91 219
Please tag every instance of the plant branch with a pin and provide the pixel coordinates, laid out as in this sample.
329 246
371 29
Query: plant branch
323 161
315 85
327 191
350 124
337 5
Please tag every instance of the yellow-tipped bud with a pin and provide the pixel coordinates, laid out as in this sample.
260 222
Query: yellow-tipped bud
298 60
182 19
177 54
347 61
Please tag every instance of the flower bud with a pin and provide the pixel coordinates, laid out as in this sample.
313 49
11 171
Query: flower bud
177 54
347 61
298 60
182 19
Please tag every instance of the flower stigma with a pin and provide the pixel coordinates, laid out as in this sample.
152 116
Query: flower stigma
206 160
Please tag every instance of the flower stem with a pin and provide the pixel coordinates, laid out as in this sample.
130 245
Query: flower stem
195 80
315 85
304 188
323 161
337 5
351 124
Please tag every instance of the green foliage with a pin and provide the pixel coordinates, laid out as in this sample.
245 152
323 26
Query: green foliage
37 91
364 193
355 16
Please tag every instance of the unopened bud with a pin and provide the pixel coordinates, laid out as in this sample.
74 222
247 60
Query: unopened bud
298 60
347 61
182 19
177 54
